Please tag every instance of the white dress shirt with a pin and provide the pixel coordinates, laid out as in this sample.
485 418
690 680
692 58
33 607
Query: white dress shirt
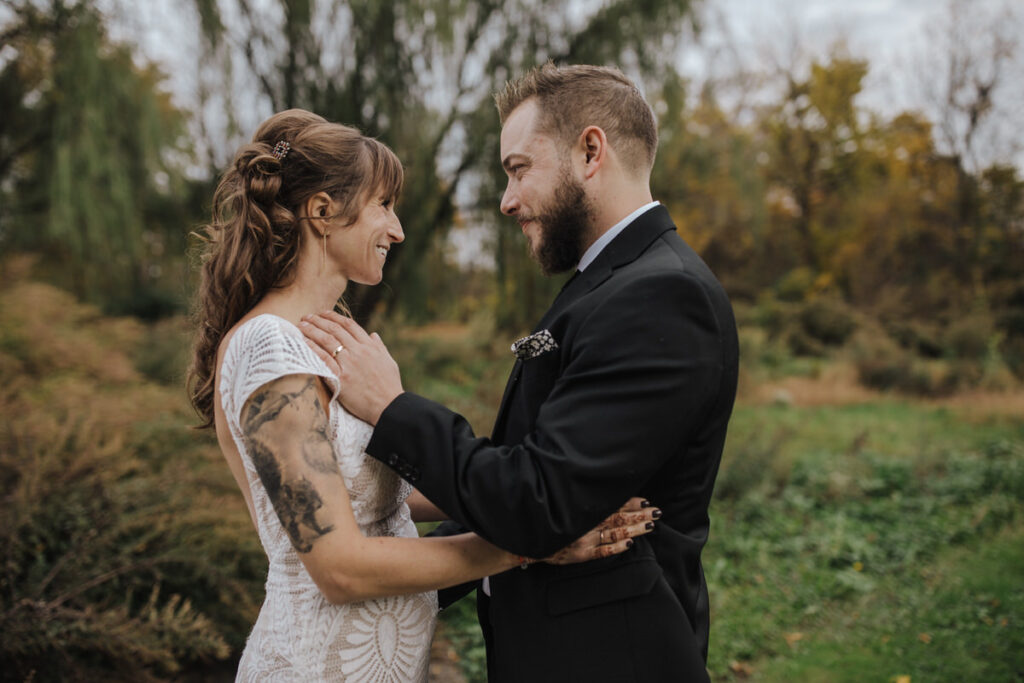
601 242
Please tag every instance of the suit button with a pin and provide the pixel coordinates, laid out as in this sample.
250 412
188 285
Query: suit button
393 459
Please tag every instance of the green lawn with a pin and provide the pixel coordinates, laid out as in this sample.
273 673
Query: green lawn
868 542
958 618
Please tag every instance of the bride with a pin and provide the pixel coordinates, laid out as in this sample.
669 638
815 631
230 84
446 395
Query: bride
303 209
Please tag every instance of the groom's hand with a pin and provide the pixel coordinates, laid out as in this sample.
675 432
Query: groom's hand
368 375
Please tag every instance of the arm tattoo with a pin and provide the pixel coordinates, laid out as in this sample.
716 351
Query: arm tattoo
294 497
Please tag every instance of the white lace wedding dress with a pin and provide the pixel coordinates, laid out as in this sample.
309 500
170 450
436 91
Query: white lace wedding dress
299 636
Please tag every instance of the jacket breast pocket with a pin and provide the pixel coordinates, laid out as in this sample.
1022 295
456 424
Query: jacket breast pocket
539 375
625 580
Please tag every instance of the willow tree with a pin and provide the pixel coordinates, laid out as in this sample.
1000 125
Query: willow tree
87 150
419 74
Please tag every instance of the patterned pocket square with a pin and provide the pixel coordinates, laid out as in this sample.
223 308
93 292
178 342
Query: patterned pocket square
534 345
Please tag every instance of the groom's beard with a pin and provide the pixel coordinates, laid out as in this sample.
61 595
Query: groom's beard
563 227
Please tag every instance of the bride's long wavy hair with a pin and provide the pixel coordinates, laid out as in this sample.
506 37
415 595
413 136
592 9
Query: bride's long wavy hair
254 239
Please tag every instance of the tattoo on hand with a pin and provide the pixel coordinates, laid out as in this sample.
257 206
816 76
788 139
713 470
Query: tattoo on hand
294 497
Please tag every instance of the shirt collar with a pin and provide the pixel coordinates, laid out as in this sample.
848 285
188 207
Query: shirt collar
601 242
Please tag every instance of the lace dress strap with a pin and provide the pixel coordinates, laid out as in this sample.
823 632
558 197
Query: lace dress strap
261 350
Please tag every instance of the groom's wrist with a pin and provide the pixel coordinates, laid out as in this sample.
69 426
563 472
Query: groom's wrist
378 410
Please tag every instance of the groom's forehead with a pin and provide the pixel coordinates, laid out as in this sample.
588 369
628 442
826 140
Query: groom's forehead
522 141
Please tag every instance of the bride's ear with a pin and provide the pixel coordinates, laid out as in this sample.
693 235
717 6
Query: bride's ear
318 207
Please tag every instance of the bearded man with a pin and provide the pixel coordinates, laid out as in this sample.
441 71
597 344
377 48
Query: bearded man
624 389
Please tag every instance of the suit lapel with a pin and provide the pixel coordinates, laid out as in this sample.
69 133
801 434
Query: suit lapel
625 248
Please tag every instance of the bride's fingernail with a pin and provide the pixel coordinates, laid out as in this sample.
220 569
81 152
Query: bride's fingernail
656 514
649 526
629 543
645 503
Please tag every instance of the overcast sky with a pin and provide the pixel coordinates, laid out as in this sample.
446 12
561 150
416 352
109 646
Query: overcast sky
897 37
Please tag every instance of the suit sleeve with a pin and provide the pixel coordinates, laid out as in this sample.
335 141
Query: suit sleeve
644 367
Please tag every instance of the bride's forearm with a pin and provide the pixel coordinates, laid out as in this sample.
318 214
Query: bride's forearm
383 566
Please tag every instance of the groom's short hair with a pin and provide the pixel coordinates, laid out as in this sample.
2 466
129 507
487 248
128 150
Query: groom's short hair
573 97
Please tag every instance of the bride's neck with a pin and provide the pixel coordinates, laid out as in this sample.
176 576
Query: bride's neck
307 293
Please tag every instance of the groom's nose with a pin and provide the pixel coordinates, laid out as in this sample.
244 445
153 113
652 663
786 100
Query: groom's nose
509 201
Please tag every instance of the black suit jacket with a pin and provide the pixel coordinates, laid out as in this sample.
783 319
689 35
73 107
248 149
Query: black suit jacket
634 401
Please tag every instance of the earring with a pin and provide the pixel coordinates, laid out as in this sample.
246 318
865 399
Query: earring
323 257
324 253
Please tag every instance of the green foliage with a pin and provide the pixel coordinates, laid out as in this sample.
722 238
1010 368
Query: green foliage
128 552
460 626
828 320
90 158
851 531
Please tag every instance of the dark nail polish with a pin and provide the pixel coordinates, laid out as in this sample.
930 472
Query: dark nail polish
656 514
649 526
629 543
645 503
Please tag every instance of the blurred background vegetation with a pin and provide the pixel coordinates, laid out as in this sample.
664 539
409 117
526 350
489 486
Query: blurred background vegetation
868 520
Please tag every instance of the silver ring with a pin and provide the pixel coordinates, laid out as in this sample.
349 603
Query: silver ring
336 351
600 537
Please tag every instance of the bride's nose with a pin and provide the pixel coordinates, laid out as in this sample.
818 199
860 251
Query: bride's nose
395 231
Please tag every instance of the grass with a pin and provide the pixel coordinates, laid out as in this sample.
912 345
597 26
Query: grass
839 538
958 618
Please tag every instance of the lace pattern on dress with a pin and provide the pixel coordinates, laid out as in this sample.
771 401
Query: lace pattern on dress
298 635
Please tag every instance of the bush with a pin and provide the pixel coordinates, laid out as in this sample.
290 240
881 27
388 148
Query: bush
883 364
968 337
128 551
828 320
922 338
796 284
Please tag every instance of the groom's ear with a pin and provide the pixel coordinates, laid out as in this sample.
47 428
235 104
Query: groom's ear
593 144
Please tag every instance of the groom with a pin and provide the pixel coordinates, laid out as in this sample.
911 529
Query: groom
624 389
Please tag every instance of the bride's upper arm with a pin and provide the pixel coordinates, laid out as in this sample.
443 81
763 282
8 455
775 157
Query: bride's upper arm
286 431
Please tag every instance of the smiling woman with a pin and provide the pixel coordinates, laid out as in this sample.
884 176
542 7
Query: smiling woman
305 208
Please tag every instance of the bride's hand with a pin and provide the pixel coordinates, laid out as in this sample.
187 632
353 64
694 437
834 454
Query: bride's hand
612 536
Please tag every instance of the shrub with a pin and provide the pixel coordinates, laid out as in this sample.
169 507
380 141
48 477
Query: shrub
795 284
128 551
828 320
883 364
922 338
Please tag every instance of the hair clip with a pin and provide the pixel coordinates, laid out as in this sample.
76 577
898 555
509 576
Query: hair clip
281 150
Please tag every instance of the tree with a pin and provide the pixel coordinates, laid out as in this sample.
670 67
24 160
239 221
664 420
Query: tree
88 149
419 75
